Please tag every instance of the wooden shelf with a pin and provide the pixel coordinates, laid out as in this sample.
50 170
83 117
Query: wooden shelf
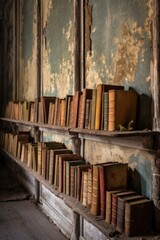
100 133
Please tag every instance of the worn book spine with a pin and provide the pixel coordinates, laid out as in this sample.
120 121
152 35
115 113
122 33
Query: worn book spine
87 114
102 192
39 167
89 200
85 189
63 112
106 106
98 107
112 110
93 108
72 180
95 205
51 166
75 109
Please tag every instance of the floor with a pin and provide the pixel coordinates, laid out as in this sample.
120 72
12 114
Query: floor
20 218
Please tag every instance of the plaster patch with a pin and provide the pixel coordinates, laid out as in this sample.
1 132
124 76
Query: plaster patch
57 80
28 72
148 20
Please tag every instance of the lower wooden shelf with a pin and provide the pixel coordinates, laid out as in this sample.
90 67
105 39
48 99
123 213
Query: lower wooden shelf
101 225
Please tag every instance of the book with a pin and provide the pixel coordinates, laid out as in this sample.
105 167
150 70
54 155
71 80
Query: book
53 152
114 204
101 88
86 95
85 188
112 176
106 110
138 217
61 174
51 113
57 160
109 203
63 112
68 164
45 101
95 204
80 169
93 107
75 116
122 108
89 198
121 210
69 99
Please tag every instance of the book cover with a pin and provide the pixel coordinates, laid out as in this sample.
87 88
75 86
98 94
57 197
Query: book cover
138 217
101 88
87 94
122 109
61 159
121 210
76 98
114 204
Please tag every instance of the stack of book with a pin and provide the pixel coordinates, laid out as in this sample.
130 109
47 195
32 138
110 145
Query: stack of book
106 107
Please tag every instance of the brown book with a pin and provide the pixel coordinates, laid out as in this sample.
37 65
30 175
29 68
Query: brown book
35 157
138 217
114 204
80 169
101 88
112 176
56 111
53 153
51 113
68 164
85 188
109 203
122 109
56 176
93 108
75 116
61 159
45 100
121 210
90 179
63 112
36 109
95 204
86 94
69 99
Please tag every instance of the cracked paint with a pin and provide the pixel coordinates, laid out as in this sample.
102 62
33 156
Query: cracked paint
28 66
56 76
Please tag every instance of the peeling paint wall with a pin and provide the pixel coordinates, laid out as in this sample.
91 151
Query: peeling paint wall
58 36
120 43
28 50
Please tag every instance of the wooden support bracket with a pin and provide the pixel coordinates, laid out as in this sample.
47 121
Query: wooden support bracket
76 224
76 144
35 133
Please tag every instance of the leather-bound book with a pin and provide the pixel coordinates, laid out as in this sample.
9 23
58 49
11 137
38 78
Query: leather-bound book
138 217
87 114
62 158
121 210
63 112
101 88
114 204
86 94
57 103
85 189
93 108
95 204
122 109
51 113
80 169
35 157
69 99
68 164
45 100
109 203
75 109
90 177
106 110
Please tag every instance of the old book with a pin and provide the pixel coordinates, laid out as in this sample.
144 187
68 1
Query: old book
106 110
89 198
68 164
101 88
86 94
88 114
45 100
35 157
69 99
122 109
56 175
112 176
93 107
114 204
56 111
53 153
95 204
121 210
75 109
138 217
51 113
36 109
85 188
61 159
80 169
51 144
109 203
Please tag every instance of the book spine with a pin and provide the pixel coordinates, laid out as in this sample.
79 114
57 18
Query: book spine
112 110
88 101
95 192
106 106
72 180
93 107
89 200
102 192
85 188
39 167
98 108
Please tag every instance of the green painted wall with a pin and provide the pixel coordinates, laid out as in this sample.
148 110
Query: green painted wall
120 44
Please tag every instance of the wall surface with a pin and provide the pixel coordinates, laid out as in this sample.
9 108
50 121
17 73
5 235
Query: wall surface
119 48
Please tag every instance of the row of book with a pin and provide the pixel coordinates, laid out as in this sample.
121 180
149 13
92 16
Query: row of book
106 107
102 188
